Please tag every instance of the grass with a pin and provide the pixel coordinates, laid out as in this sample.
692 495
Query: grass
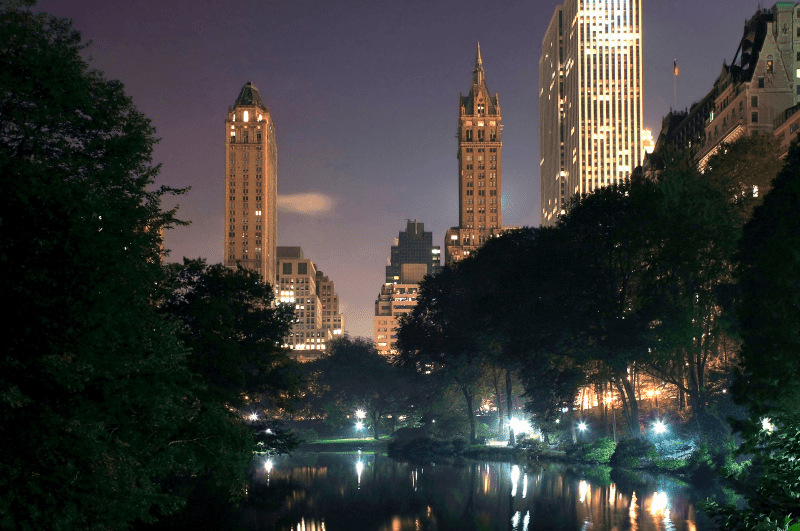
349 441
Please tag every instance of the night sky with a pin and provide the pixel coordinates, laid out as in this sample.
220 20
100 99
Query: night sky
364 95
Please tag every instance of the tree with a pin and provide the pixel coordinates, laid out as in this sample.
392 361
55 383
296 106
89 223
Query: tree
356 376
768 272
436 338
235 332
98 407
768 268
609 239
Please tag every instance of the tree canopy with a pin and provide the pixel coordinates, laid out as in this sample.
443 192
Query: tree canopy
100 409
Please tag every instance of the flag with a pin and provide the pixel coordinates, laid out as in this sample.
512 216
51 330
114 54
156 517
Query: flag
675 70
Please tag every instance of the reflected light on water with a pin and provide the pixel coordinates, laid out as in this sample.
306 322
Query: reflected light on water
359 470
311 525
632 512
582 488
515 521
659 504
514 480
524 485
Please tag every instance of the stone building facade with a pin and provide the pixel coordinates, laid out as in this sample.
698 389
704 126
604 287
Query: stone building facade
480 168
251 185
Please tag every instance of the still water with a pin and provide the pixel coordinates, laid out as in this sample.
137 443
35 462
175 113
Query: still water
353 492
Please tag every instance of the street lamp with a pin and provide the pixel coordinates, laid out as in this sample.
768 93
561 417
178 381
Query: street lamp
659 427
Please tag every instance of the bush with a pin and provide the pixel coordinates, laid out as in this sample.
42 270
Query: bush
601 451
459 445
633 453
534 446
310 435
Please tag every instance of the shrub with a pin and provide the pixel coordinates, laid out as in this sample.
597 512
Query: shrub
459 445
535 446
310 435
701 468
600 451
633 453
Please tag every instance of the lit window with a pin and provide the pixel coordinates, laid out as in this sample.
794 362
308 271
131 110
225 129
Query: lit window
246 117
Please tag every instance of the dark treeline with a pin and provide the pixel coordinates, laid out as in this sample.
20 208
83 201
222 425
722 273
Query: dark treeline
681 276
124 384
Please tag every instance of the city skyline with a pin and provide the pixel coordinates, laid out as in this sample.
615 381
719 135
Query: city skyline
362 96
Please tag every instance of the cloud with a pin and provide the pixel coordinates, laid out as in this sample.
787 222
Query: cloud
310 204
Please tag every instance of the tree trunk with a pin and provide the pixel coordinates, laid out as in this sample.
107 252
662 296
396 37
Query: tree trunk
375 418
470 413
572 423
694 387
625 410
499 400
633 424
512 440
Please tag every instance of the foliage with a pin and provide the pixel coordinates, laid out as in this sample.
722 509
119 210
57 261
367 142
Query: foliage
433 341
599 451
770 484
99 412
309 435
534 446
353 375
234 331
769 265
634 452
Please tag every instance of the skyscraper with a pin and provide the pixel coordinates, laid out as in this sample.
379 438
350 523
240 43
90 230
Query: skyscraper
251 176
590 99
480 150
413 256
413 249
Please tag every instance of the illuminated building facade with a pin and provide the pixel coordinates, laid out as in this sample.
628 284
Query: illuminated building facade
755 94
316 304
394 301
590 99
251 185
480 168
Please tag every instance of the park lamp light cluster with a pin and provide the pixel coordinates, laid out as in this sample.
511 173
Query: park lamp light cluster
659 427
520 425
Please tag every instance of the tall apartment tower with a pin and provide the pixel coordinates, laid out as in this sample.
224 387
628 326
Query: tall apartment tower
251 175
413 255
480 150
590 99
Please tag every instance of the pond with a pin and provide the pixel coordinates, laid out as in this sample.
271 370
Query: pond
355 492
332 492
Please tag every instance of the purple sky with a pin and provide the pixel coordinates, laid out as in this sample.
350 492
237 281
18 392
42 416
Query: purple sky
364 95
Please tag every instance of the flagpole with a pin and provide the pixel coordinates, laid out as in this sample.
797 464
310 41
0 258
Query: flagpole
675 84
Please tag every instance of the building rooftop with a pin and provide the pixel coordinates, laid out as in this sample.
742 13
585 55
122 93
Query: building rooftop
249 95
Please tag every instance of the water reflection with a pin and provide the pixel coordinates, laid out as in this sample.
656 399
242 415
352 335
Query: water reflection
330 492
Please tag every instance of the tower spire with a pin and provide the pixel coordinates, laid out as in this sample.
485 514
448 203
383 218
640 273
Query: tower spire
477 76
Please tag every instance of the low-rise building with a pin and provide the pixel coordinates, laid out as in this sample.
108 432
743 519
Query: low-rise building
316 305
